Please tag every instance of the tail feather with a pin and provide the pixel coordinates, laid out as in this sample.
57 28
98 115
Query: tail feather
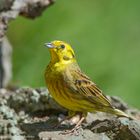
119 113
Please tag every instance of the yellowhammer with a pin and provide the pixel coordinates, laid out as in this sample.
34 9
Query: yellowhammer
70 87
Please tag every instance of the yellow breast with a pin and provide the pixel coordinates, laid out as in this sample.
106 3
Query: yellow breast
62 93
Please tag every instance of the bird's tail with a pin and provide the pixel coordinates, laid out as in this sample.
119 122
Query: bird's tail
119 113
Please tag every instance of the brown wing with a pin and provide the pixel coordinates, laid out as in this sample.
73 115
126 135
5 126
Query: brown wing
89 90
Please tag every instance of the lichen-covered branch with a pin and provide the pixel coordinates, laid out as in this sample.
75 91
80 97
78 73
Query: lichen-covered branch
32 100
31 113
1 66
9 10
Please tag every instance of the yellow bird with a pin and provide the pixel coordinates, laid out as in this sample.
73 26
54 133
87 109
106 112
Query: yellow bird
70 87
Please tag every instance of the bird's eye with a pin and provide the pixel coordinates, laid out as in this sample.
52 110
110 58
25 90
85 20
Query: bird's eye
62 46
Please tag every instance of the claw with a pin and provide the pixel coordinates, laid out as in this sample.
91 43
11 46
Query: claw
72 131
77 126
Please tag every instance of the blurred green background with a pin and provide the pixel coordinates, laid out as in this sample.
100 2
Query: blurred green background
104 34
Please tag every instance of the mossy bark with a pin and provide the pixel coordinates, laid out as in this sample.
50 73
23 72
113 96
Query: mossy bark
27 113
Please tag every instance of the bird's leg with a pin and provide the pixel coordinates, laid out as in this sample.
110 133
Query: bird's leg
59 123
70 115
78 124
82 118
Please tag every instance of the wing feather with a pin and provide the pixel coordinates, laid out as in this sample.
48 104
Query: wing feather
88 89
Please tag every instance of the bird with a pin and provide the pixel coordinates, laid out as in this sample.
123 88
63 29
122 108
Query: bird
71 88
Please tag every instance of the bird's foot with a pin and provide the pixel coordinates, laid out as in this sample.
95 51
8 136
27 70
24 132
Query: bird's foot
74 131
60 122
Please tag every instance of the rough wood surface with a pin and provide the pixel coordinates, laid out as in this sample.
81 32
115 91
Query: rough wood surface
27 113
10 9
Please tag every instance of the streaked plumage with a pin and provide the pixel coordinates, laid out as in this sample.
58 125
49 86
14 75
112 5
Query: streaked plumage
70 87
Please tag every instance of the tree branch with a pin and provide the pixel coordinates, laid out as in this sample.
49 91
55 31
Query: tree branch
9 10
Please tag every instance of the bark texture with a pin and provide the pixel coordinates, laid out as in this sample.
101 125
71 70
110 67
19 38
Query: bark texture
9 10
27 113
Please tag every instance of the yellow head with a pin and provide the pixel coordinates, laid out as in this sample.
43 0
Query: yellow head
61 52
